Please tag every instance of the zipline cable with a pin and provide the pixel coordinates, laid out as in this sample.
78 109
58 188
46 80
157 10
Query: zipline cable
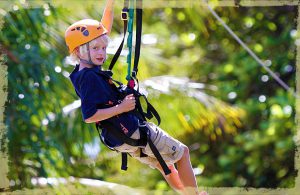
258 60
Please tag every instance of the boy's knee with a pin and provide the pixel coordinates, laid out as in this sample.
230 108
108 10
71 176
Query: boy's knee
186 155
186 151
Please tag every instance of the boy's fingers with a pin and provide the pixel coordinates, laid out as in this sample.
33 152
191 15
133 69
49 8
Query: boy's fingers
130 97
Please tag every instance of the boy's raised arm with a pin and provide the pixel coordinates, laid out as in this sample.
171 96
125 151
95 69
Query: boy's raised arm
108 15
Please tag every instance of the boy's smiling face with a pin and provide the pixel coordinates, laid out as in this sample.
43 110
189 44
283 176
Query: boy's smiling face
97 49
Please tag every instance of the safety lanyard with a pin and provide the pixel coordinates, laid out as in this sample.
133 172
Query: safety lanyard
124 17
139 14
129 38
128 16
139 19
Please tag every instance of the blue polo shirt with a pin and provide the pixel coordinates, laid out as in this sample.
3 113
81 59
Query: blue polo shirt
94 90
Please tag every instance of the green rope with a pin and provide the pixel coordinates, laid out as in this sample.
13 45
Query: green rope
129 38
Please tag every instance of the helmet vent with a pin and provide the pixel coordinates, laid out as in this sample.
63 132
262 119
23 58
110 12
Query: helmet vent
86 33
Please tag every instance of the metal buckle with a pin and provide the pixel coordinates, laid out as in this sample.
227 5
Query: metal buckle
142 123
124 14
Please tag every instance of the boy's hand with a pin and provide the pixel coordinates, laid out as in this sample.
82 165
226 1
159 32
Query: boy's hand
128 103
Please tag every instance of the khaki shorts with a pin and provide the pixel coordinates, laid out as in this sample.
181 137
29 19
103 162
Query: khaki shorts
170 149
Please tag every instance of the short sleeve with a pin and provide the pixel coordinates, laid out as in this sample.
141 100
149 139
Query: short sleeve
92 92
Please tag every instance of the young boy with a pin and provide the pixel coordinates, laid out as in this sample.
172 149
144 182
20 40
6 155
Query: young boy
87 41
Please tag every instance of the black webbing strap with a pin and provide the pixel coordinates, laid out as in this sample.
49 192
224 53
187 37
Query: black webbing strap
124 161
139 110
121 136
139 19
151 111
144 138
124 17
156 153
143 135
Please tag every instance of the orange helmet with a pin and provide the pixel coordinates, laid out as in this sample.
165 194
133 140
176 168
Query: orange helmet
82 32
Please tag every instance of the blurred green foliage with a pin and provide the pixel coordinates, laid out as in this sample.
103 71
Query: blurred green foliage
246 142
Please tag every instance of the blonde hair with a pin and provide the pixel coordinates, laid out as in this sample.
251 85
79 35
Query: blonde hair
73 58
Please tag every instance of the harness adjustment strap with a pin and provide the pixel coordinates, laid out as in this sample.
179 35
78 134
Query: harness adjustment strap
142 154
124 161
150 111
121 136
124 14
156 153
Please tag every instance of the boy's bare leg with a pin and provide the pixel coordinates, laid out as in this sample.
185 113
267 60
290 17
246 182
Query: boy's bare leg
185 170
172 179
186 174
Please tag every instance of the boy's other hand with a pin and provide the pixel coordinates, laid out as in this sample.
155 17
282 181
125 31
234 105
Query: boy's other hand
128 103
